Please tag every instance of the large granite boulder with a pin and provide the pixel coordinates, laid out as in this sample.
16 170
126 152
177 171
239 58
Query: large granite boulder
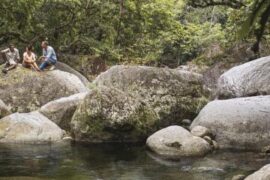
29 128
173 94
262 174
61 110
24 90
4 110
129 103
110 115
249 79
240 123
175 142
66 68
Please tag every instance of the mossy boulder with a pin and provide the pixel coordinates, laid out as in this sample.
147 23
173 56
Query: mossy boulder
173 94
128 103
110 115
24 90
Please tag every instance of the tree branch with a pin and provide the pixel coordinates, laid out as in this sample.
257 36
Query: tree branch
235 4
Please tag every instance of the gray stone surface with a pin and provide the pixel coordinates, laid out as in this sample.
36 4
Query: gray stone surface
200 131
175 142
66 68
262 174
61 110
240 123
249 79
29 128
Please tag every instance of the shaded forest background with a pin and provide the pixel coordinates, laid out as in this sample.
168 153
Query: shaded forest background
150 32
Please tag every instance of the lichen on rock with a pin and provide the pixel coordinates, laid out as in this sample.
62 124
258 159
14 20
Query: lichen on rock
128 103
110 115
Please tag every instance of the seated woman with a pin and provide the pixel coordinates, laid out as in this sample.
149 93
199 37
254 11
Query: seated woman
29 59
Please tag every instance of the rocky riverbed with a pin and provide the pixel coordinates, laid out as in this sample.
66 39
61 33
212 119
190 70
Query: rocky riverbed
119 161
172 110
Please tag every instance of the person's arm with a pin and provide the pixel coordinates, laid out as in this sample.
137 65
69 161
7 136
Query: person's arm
49 54
34 57
17 55
3 53
25 59
5 50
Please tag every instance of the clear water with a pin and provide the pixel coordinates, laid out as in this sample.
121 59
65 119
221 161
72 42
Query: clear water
119 162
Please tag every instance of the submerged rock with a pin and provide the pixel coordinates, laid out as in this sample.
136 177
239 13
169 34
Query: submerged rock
24 90
241 123
262 174
4 110
173 94
61 110
110 115
249 79
29 128
175 142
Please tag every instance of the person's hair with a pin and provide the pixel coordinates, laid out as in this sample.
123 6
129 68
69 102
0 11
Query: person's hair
10 45
45 42
30 47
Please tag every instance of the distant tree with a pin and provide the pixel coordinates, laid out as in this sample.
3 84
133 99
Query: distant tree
257 18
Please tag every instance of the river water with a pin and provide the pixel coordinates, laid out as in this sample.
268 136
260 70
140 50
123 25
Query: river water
119 162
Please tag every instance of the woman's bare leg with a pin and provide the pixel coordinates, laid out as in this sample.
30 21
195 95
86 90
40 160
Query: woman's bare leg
36 66
33 67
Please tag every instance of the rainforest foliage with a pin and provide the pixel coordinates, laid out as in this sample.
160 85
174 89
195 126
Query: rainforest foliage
157 32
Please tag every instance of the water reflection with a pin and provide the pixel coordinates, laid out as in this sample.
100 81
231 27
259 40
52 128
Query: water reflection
121 162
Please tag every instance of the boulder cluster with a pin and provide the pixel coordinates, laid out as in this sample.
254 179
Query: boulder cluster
173 110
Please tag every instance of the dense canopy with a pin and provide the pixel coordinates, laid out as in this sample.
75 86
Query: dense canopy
156 32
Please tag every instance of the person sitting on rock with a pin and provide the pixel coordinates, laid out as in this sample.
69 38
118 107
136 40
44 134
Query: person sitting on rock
29 59
49 56
11 56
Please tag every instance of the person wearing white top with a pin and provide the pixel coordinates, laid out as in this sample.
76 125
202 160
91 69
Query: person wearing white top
11 56
29 59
